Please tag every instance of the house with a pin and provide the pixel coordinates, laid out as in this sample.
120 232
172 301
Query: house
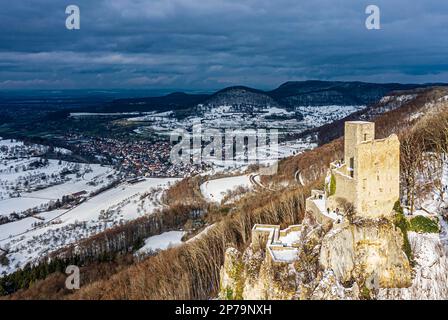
79 194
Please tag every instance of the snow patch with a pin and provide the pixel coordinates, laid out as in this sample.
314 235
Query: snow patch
216 190
162 242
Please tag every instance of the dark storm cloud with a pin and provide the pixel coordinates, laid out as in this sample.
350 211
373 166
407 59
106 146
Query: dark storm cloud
214 43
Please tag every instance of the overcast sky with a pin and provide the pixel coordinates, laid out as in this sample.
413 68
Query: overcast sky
208 44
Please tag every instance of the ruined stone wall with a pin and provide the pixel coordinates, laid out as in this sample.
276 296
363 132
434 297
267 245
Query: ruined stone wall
261 234
314 210
378 177
345 188
355 133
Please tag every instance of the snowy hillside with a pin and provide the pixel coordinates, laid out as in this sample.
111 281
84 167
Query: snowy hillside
48 204
228 117
31 184
216 190
161 242
31 238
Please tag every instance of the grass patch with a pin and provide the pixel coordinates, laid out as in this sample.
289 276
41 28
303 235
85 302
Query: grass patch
423 224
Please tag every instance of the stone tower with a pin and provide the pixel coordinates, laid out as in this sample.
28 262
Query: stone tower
355 133
368 177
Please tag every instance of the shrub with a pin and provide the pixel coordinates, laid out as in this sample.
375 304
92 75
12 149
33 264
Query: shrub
423 224
397 207
4 261
401 223
229 293
365 293
237 275
332 185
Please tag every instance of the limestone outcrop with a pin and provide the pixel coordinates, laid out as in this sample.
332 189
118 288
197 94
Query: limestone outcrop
351 260
252 276
368 252
430 280
348 245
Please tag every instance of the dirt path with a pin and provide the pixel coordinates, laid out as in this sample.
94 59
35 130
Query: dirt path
298 177
253 180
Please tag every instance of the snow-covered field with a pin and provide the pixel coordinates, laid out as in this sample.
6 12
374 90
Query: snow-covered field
11 205
17 189
122 202
98 114
264 156
89 181
30 185
29 181
286 149
161 242
19 227
216 190
26 241
94 177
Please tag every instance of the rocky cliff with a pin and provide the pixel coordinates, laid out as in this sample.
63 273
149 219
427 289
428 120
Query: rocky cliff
352 260
430 280
368 252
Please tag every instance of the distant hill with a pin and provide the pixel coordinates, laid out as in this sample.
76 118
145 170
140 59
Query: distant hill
172 101
288 96
405 100
318 93
241 99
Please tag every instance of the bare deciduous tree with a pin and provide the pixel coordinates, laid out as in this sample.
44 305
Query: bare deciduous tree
412 149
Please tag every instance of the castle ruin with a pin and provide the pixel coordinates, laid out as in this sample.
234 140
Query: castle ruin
366 182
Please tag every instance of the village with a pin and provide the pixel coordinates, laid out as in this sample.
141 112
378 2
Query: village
134 158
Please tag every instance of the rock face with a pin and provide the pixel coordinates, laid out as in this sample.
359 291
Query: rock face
346 261
430 279
368 252
254 275
232 276
329 288
251 276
